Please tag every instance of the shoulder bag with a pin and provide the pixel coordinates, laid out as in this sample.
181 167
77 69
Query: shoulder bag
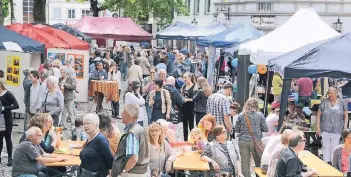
259 147
172 115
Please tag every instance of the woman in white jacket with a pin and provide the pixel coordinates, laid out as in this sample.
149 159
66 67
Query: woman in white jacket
132 96
115 75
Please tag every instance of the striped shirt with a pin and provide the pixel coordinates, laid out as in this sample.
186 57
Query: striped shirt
132 147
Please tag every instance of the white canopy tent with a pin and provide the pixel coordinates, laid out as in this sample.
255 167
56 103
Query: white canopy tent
304 27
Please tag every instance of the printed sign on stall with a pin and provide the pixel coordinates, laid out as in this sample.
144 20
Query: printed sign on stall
57 56
78 64
13 70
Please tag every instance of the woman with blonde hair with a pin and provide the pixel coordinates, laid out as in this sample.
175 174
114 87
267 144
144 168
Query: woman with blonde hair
68 86
8 103
250 125
332 119
56 65
206 124
198 139
162 154
53 100
200 99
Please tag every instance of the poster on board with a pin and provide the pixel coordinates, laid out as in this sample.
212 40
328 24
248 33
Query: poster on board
13 70
78 64
57 56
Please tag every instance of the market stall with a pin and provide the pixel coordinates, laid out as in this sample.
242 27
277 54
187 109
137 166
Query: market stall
18 53
304 27
183 31
61 45
234 36
314 60
120 29
72 31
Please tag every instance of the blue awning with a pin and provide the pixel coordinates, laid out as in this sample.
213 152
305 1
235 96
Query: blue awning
26 44
184 31
233 36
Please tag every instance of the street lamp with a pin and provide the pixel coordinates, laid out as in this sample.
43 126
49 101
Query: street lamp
338 25
194 22
225 11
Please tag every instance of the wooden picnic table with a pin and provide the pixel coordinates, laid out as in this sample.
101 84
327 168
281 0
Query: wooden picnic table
190 161
72 156
323 169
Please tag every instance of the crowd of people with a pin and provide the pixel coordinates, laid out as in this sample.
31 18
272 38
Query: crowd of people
163 91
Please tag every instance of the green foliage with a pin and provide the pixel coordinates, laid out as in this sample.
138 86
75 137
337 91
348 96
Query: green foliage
5 8
162 10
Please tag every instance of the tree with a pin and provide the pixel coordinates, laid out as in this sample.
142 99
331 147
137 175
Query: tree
4 10
39 14
162 10
12 10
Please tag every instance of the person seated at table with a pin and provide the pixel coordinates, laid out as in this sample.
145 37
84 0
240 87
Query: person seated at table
297 117
29 157
290 111
168 130
162 155
342 153
45 123
110 131
51 139
96 155
198 139
99 74
206 124
289 164
272 118
275 152
222 155
272 143
77 133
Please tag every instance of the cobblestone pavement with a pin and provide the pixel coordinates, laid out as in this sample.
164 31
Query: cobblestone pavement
83 109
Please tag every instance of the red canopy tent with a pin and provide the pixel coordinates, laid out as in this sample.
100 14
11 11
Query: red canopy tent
121 29
51 38
64 36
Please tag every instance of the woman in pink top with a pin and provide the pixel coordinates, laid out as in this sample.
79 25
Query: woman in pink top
342 153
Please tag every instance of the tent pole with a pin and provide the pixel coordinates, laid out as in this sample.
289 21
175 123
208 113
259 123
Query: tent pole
267 91
284 101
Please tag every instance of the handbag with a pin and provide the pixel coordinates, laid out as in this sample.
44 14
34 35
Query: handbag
172 114
2 123
259 147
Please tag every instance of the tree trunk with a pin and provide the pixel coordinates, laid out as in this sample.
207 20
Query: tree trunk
39 13
94 8
12 11
1 15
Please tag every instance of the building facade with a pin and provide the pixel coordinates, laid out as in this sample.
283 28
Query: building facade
69 13
266 15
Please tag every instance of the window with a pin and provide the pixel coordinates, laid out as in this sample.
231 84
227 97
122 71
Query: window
57 13
207 6
188 5
196 6
71 14
85 13
265 7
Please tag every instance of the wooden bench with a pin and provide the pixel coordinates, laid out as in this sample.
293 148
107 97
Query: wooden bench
258 172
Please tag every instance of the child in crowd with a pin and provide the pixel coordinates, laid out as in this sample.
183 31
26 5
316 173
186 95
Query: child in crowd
78 133
198 139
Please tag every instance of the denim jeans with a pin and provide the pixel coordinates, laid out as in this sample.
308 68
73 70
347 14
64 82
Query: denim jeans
123 68
148 112
27 175
304 101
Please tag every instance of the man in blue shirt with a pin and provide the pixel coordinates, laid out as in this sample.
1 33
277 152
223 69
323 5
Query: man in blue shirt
98 74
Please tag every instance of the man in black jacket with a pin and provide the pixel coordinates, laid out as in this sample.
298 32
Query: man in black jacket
289 164
177 100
